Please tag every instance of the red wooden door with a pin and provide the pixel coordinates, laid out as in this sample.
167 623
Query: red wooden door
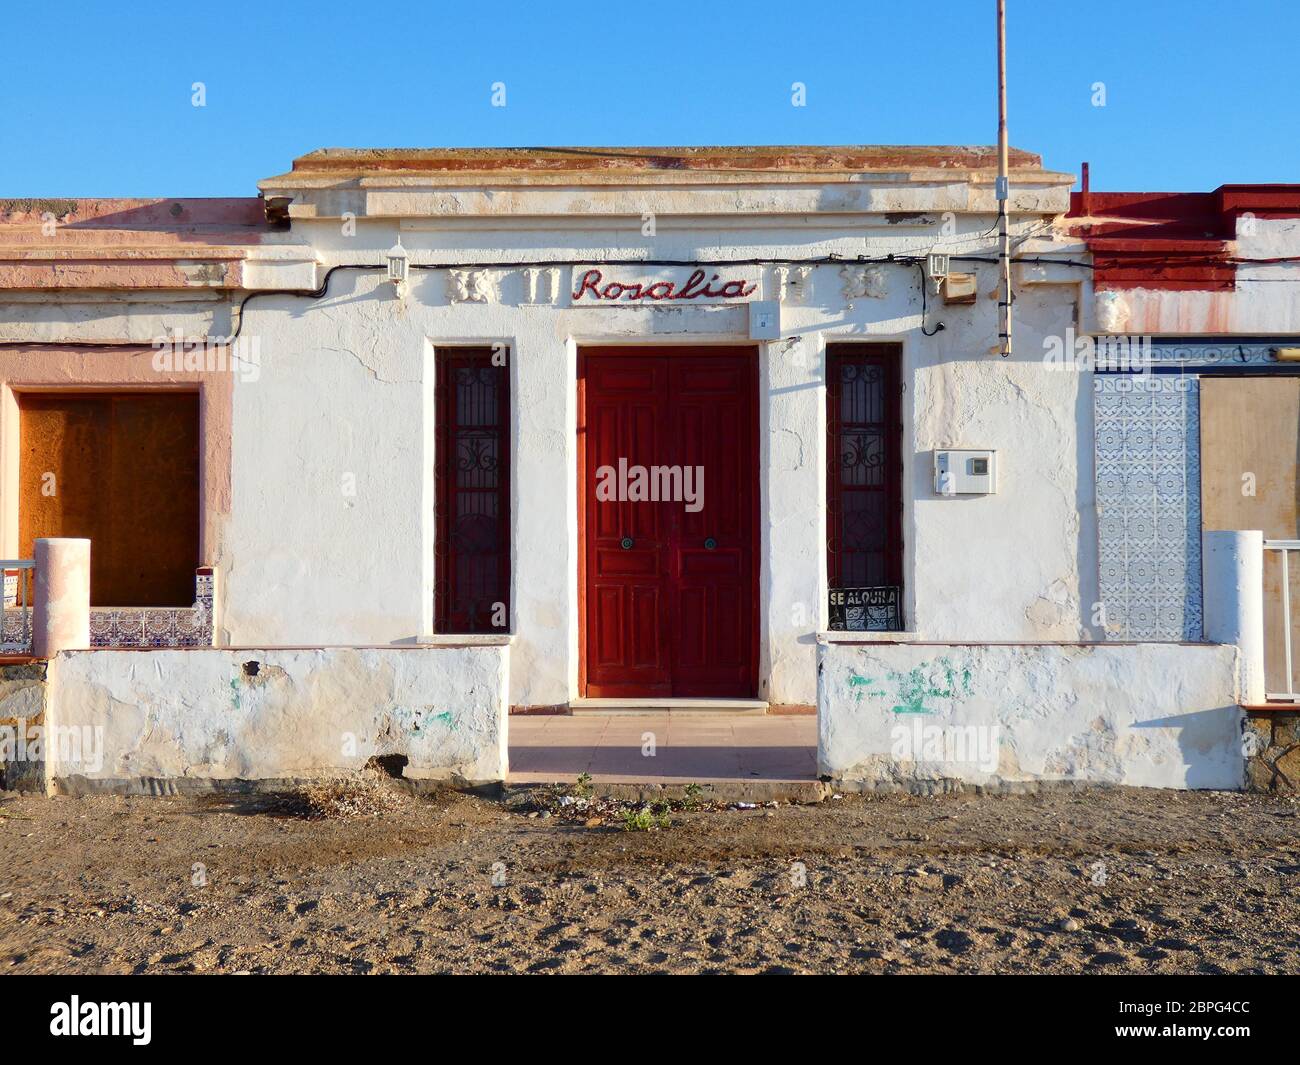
626 590
669 589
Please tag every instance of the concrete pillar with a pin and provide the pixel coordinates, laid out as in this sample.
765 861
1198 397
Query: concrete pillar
1233 569
61 602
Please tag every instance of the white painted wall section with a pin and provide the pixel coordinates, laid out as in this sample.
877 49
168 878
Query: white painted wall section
171 718
925 715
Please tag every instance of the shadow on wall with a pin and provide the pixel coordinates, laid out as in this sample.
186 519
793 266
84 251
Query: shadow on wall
1142 715
1199 735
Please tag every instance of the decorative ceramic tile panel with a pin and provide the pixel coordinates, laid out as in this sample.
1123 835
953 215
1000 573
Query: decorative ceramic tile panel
187 626
1149 505
1148 467
16 630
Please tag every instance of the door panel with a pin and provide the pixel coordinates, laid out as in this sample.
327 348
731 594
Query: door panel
713 399
673 611
625 596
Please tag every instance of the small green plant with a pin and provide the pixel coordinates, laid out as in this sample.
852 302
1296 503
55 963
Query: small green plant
644 820
693 793
582 787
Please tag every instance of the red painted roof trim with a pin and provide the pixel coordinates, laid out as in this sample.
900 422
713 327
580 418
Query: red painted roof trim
1172 240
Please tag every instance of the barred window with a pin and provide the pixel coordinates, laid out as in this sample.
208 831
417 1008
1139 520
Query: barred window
472 546
865 471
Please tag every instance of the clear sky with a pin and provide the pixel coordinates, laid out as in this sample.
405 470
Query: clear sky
95 99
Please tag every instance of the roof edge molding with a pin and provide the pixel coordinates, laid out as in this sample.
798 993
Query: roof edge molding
705 181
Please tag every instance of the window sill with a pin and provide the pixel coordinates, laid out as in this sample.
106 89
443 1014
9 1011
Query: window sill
829 637
451 639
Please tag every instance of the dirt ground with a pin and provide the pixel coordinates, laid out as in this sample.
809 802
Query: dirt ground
1102 881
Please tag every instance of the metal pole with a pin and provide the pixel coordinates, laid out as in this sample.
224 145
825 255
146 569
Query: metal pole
1004 235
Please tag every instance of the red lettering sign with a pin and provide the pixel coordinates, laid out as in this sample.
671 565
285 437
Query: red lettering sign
593 284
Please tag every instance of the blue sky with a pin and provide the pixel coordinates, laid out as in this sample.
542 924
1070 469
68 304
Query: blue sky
95 99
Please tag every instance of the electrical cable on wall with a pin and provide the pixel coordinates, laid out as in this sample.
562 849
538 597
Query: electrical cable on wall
823 260
939 326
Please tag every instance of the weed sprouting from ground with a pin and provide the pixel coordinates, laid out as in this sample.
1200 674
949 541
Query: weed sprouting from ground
645 819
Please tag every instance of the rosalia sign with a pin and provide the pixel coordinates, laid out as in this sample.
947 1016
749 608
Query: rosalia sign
682 286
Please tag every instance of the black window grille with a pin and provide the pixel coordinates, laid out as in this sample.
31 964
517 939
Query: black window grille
865 467
472 533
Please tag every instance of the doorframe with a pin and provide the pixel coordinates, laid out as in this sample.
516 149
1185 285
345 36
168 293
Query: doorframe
757 540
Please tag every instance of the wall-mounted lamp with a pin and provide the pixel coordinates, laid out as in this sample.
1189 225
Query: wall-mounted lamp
398 264
936 269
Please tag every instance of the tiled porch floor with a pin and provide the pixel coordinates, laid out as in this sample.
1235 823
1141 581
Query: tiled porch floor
688 747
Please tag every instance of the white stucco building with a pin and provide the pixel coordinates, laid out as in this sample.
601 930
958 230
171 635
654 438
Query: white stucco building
440 355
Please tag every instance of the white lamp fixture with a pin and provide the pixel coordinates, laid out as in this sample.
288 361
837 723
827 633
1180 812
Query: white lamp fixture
398 264
936 269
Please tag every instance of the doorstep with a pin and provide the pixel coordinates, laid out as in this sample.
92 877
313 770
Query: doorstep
727 707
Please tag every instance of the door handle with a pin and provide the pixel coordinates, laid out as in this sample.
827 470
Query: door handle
626 543
710 543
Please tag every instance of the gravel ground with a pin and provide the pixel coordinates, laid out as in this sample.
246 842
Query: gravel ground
1103 881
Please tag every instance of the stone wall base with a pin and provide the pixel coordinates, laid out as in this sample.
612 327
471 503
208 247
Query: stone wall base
1272 749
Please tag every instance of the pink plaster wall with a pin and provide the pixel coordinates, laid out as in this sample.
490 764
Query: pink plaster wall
160 245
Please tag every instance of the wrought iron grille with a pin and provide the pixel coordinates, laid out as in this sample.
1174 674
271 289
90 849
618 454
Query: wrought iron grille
472 579
865 468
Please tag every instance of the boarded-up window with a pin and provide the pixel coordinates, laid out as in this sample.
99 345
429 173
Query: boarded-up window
1250 479
472 593
121 469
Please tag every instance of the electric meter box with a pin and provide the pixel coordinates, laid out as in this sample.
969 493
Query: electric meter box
765 320
965 473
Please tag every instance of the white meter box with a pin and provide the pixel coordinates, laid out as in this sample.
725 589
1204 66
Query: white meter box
765 320
965 472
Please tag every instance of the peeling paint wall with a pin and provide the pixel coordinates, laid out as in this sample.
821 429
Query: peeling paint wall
935 716
168 720
346 388
329 538
1265 300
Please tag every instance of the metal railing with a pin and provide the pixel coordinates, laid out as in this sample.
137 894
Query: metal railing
16 622
1278 615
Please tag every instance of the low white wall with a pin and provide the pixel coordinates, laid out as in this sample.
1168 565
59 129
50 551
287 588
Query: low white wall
157 720
921 715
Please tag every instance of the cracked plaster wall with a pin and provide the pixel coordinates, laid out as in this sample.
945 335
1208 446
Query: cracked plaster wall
172 719
1146 715
329 534
344 397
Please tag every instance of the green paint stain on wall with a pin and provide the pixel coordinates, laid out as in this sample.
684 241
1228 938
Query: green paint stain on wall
913 689
864 685
413 720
